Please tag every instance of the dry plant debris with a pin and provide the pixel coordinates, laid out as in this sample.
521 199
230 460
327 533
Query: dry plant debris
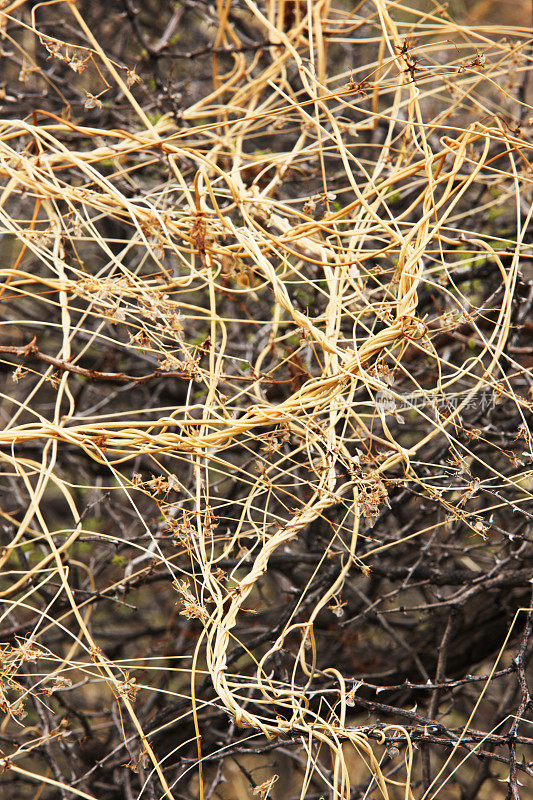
266 346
